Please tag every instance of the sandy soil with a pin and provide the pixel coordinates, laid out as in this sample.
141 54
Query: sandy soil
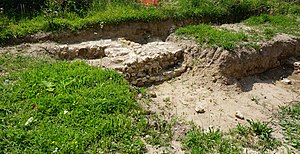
256 97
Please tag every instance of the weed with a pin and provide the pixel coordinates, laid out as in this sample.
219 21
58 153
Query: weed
255 99
167 99
256 135
242 130
213 141
290 121
261 129
160 130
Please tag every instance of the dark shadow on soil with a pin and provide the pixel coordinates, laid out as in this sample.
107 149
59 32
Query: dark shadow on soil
269 77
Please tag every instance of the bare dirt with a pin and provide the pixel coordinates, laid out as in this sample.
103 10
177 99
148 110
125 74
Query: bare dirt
256 97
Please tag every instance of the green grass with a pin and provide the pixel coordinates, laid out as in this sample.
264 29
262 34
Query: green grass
207 35
290 122
69 107
256 135
102 12
213 141
264 28
270 26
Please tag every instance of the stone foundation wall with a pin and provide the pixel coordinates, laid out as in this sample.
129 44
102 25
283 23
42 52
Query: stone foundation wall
141 64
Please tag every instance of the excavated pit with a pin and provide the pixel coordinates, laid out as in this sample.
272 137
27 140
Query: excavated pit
148 60
158 61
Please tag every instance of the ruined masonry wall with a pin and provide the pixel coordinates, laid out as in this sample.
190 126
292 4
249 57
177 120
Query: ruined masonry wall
142 65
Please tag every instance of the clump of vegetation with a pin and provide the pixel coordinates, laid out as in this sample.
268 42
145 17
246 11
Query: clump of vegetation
58 106
270 26
290 122
212 141
15 8
257 135
207 35
263 27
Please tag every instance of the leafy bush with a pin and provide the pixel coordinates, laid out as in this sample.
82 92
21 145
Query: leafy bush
15 8
24 7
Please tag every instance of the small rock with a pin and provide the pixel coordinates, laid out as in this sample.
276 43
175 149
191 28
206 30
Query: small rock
214 80
134 82
286 81
29 121
249 151
199 109
55 150
239 115
6 82
152 94
296 64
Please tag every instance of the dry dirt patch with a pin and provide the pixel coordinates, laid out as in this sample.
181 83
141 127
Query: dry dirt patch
256 97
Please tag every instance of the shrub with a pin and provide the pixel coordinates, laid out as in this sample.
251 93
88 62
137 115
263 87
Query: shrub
25 7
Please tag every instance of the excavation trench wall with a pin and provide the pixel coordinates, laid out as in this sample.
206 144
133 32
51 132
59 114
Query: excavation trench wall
243 61
155 62
270 55
136 31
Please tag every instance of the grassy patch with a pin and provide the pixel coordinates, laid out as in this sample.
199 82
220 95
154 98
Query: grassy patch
270 26
55 106
256 135
207 35
213 141
290 121
263 28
